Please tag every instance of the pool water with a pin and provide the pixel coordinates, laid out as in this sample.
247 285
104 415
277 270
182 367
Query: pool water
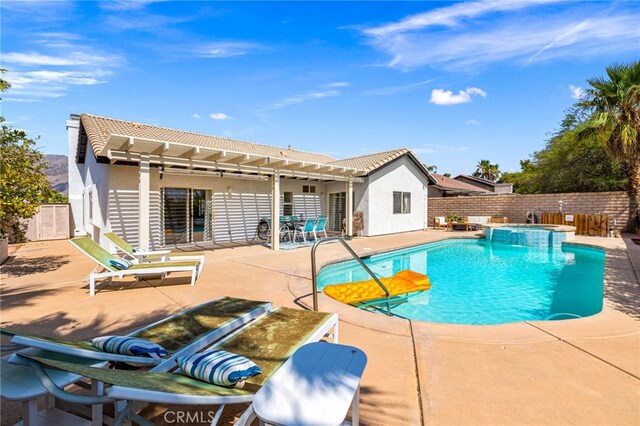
481 282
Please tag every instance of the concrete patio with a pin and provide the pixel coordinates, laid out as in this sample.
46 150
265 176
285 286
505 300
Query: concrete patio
583 371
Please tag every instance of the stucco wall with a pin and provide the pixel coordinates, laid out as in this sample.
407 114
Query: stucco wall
515 206
75 178
400 175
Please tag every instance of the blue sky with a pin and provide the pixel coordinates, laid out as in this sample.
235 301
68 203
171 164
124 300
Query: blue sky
456 82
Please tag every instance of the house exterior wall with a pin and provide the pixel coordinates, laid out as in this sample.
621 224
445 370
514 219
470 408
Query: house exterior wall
75 177
237 204
400 175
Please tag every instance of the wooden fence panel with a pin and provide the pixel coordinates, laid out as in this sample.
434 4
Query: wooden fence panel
586 224
52 222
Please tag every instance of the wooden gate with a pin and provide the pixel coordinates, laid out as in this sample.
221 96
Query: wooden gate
595 225
52 222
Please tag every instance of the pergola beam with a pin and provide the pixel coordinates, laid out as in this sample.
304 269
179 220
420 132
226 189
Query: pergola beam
321 174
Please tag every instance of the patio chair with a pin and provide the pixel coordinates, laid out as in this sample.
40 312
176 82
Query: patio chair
269 342
320 226
306 228
102 257
151 256
183 332
439 222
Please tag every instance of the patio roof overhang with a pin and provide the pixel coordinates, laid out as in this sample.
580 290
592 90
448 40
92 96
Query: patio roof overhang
185 156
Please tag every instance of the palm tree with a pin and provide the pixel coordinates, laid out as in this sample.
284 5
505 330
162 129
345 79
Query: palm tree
613 107
486 170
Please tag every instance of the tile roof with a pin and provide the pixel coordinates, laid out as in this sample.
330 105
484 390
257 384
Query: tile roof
371 162
477 179
448 183
99 129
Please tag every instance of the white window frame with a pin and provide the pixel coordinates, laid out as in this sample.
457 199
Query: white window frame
286 204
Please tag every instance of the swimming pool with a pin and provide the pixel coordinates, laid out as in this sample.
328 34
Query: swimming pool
479 282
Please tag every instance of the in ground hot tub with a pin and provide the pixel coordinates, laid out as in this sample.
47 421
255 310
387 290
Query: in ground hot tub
529 235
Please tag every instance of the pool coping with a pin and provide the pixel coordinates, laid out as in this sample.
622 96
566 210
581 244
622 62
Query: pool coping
518 332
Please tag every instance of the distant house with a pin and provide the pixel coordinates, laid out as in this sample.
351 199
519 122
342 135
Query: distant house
158 187
497 188
447 187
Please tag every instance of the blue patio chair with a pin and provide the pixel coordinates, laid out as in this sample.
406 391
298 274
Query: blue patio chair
320 226
305 229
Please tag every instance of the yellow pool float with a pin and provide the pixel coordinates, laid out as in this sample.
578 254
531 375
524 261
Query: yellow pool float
403 282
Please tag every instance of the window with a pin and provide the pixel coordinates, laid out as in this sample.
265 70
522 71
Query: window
287 204
89 198
308 189
401 202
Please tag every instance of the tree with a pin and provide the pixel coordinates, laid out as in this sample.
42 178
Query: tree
486 170
612 104
23 184
569 164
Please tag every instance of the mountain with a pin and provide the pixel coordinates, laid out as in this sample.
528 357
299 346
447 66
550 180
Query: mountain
57 172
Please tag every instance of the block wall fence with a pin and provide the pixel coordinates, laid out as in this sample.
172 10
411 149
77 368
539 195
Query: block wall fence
515 206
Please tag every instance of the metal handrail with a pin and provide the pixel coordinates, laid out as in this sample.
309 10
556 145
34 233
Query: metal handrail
314 279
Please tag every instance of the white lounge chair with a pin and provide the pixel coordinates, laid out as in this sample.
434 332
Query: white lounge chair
140 256
106 270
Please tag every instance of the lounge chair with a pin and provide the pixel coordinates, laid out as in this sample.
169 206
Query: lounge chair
366 293
102 257
320 226
184 332
306 228
151 256
269 342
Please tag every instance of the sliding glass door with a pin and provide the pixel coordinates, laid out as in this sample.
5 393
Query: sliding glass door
186 215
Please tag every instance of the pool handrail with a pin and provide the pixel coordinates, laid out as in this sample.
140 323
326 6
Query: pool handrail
341 240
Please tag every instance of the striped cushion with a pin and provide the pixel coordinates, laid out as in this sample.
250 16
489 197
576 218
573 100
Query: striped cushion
120 263
124 345
218 367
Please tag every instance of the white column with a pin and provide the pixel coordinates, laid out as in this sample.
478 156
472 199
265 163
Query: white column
275 211
143 203
349 207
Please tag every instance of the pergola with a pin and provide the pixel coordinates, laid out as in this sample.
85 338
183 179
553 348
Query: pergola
191 159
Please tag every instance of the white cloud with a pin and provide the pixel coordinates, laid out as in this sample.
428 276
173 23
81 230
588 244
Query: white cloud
447 97
472 122
196 115
452 15
337 84
67 59
576 91
219 116
468 35
298 99
393 90
120 5
227 49
52 70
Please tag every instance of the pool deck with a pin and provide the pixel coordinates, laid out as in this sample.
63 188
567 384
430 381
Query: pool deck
582 371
